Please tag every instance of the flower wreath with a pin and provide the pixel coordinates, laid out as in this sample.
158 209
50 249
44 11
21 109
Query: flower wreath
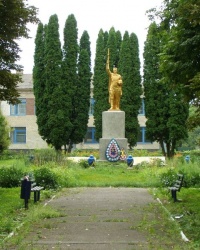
113 151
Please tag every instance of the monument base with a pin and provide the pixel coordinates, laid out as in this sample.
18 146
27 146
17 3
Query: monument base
113 127
103 144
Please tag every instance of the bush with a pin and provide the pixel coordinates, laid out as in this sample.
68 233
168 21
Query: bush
191 179
46 177
168 178
10 177
84 164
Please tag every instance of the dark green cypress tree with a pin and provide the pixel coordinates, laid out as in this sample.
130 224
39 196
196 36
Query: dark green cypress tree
70 76
118 41
132 90
39 79
112 45
55 127
100 82
82 103
164 107
85 44
156 101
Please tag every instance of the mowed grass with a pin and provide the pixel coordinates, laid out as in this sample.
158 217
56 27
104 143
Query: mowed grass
114 175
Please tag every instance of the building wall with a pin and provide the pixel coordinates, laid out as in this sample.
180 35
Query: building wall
33 139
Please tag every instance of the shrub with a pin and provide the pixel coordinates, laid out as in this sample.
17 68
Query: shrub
10 176
84 164
46 177
168 178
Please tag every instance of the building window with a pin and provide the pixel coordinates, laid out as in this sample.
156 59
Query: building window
142 136
91 109
89 137
142 110
18 135
18 109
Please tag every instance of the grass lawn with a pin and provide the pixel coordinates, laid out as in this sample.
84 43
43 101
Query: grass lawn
13 213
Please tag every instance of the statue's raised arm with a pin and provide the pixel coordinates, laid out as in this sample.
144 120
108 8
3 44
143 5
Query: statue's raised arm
114 86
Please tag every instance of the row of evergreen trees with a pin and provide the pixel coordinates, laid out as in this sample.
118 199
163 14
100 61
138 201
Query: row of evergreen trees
62 78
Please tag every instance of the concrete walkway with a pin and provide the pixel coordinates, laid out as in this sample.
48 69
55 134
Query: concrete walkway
96 219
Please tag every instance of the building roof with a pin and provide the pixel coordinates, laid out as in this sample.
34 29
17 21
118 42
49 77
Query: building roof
27 82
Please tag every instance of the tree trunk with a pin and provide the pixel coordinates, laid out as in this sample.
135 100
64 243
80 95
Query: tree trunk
163 148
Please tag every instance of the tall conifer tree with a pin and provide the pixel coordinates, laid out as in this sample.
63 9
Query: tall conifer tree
164 107
70 76
132 90
82 90
39 80
55 127
112 45
100 81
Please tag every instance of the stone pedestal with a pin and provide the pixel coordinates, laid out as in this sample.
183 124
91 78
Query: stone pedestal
113 127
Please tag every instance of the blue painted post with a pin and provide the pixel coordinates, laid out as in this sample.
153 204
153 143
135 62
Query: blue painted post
91 160
129 161
187 158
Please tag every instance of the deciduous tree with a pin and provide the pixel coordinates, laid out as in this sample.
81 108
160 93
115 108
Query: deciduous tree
14 17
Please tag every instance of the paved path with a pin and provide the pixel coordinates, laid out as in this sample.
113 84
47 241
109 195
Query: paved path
95 219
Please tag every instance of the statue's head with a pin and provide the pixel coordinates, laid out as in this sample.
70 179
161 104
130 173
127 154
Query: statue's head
114 69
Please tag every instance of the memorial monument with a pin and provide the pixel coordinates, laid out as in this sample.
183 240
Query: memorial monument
113 121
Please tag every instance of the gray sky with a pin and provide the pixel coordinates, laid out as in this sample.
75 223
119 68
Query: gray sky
91 15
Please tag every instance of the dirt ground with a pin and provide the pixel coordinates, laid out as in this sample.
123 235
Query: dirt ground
99 219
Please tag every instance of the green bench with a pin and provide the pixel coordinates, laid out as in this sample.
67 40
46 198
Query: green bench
176 186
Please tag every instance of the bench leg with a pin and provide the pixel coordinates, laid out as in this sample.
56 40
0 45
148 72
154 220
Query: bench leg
26 203
174 195
36 196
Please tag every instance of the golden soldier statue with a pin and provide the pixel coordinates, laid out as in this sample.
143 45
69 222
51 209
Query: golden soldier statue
114 87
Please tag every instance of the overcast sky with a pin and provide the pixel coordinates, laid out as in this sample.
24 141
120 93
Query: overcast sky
91 15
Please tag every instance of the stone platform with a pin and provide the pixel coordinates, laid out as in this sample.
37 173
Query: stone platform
113 127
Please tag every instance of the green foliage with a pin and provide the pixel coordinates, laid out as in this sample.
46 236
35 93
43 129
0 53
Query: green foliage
85 153
129 68
45 177
168 178
193 140
165 109
54 125
70 78
39 80
10 176
84 164
62 83
100 90
4 134
180 27
124 54
15 15
43 156
81 105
